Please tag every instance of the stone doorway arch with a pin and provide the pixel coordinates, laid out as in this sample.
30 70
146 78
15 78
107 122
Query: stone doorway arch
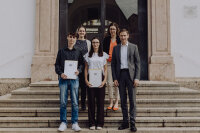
160 61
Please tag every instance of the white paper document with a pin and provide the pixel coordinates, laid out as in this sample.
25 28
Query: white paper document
70 69
95 77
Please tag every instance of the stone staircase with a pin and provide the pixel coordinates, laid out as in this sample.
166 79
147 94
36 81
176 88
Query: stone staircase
162 107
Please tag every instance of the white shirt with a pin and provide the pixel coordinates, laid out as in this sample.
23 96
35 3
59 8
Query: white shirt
124 60
96 62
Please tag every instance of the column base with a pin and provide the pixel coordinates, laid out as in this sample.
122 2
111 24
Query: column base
43 69
162 72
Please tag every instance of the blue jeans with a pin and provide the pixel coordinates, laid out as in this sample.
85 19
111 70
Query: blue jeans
72 85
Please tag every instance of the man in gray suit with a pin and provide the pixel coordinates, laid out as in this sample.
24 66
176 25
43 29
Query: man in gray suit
126 74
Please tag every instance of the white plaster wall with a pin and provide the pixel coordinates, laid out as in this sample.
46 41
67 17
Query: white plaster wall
17 35
185 37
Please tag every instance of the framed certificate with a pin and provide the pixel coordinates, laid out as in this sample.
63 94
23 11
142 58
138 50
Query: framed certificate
70 69
95 77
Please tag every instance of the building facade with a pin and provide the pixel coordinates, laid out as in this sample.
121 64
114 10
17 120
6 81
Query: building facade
163 31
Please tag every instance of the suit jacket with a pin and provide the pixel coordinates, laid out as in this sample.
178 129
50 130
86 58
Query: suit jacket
133 62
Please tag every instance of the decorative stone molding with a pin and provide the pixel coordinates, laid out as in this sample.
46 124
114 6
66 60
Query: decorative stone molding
46 42
161 65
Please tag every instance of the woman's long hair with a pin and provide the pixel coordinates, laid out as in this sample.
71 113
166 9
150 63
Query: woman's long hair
117 29
100 50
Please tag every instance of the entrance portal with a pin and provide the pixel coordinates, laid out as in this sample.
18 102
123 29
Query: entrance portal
93 14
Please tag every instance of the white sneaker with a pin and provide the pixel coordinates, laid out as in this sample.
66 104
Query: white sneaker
76 127
62 127
99 128
92 128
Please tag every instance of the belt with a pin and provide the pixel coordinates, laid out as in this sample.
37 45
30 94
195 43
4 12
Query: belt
125 69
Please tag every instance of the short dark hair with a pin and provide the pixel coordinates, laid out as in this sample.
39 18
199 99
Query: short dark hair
124 30
72 34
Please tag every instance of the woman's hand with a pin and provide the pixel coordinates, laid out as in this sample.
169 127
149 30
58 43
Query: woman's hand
88 83
116 83
102 84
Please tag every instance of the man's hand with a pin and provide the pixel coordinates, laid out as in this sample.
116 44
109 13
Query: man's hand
77 73
116 83
136 83
63 76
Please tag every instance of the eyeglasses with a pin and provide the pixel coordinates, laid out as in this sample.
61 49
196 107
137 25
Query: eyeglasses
95 42
112 29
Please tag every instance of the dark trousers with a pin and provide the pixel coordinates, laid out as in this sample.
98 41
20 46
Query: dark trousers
83 87
125 82
96 97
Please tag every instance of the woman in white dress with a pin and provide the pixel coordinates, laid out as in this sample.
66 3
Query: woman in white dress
96 59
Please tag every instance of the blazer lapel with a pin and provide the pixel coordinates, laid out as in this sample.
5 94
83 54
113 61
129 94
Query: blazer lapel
119 53
128 48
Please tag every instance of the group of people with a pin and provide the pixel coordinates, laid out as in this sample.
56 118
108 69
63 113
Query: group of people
119 63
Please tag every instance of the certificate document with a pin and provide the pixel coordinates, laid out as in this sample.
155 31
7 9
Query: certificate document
70 69
95 77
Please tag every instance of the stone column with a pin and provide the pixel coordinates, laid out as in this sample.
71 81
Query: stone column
161 65
46 40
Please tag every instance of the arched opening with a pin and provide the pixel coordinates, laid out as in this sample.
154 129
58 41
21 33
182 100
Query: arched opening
130 14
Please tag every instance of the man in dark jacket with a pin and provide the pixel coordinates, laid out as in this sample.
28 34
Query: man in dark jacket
126 74
65 83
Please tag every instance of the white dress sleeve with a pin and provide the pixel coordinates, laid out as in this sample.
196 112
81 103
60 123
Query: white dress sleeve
106 56
88 45
86 57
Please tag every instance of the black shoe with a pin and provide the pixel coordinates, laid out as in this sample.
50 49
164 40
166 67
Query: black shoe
133 128
123 126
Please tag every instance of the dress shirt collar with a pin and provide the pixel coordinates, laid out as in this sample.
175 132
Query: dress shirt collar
66 48
125 44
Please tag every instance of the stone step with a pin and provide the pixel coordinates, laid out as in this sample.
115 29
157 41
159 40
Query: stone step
183 93
158 85
27 93
140 103
144 85
43 122
141 112
105 130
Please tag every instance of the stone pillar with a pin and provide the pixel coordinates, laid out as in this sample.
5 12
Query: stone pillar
161 65
46 42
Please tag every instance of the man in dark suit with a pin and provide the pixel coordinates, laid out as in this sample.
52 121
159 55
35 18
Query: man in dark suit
126 73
